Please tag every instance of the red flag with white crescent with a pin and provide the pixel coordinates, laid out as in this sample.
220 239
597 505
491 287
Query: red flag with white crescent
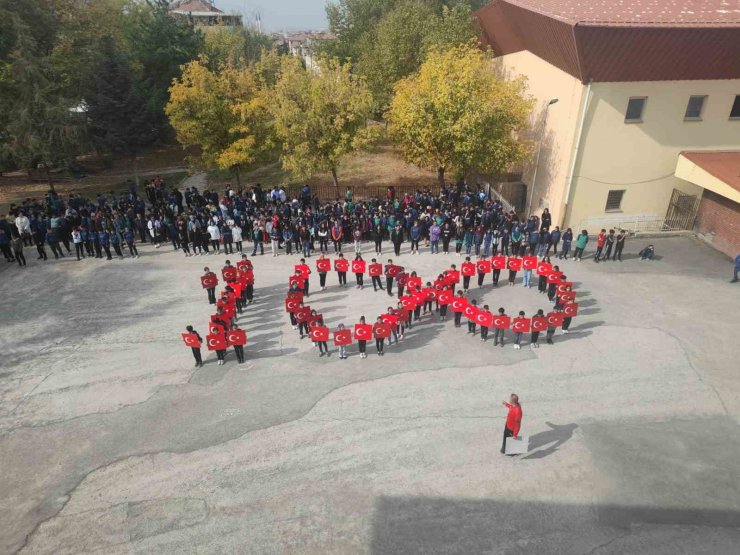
484 318
521 325
216 342
319 333
191 340
468 269
237 337
529 262
539 323
363 332
571 310
209 281
358 266
382 331
323 265
342 338
501 322
555 319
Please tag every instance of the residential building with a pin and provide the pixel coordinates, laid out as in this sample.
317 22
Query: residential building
646 127
303 44
205 13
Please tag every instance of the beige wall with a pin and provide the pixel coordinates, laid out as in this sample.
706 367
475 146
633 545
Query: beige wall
545 82
641 158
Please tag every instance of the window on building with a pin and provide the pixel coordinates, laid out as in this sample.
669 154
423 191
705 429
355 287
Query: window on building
635 107
614 200
735 112
694 107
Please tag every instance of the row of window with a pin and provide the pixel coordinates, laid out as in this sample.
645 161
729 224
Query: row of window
694 108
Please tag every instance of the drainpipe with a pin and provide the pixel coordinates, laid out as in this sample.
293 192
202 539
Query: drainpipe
568 199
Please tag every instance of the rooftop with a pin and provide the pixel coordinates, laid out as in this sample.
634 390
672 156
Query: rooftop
638 12
195 7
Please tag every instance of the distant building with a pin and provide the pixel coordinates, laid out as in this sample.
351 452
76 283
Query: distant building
203 12
646 128
303 44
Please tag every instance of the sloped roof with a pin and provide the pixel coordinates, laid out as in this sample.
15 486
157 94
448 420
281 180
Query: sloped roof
722 164
195 6
629 40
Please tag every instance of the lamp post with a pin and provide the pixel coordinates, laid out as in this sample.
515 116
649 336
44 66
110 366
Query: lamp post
537 161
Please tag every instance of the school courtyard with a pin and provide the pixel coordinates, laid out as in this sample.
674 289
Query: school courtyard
112 442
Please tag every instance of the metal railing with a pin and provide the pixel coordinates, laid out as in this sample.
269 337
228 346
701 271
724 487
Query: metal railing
645 223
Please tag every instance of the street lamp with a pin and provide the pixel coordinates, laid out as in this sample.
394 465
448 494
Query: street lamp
537 161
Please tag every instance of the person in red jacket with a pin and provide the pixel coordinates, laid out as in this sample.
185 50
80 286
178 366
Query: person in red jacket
513 419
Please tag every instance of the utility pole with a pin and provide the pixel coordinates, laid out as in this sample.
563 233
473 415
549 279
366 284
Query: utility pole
537 160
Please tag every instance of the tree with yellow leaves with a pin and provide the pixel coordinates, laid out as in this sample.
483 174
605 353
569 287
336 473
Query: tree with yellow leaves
320 115
456 115
223 114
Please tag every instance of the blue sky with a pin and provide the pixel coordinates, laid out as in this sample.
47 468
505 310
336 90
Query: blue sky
281 14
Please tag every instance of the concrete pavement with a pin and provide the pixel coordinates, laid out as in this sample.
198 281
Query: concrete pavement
111 441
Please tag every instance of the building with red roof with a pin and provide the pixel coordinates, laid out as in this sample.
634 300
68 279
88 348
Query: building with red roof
645 132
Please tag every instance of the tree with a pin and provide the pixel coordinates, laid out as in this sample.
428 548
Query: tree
237 47
457 115
224 115
43 131
394 49
160 44
320 116
118 119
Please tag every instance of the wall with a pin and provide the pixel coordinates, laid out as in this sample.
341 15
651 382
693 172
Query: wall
641 157
719 220
545 82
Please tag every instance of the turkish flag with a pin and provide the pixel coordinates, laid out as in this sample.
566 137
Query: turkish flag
363 332
319 333
390 319
342 338
498 262
554 277
216 328
296 281
521 325
248 276
563 286
303 314
391 270
229 312
468 269
567 297
515 264
544 269
529 262
419 297
323 265
445 297
341 265
555 319
430 293
458 304
501 322
408 302
229 273
216 342
318 317
209 281
237 337
539 323
382 331
484 318
244 264
237 287
571 310
358 266
483 266
452 276
469 312
303 269
191 340
291 305
375 270
414 283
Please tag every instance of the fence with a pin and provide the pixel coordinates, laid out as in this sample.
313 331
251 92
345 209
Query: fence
328 193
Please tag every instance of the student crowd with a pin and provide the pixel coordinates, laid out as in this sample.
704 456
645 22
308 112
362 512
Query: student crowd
459 219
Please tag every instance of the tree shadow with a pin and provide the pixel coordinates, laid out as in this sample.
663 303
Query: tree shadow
557 435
